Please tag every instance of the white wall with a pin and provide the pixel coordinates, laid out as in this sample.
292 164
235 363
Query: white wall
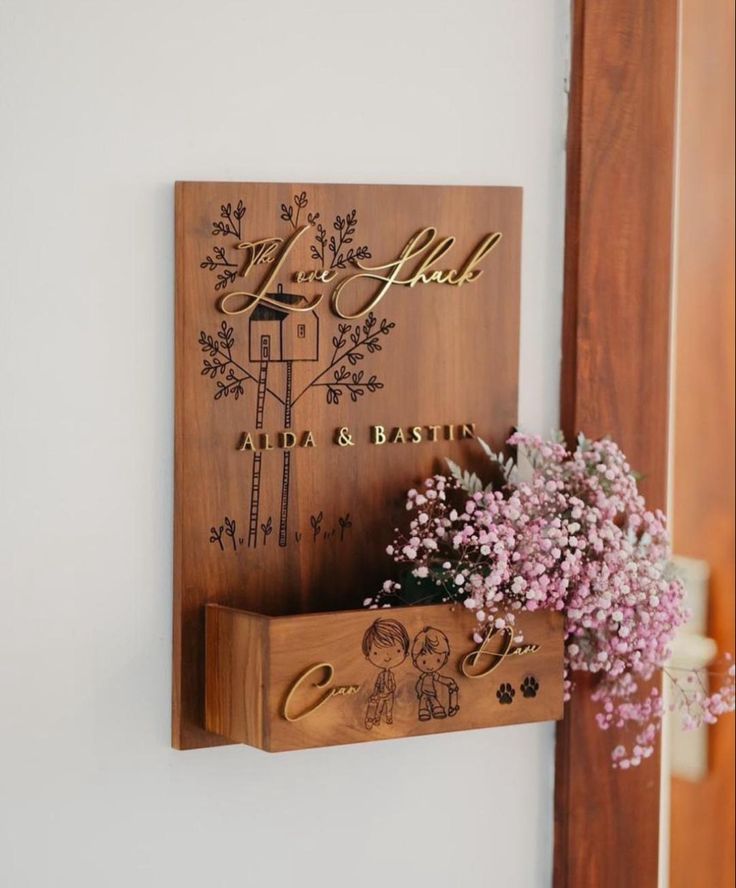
103 105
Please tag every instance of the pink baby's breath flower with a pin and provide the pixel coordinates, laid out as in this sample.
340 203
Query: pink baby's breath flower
574 536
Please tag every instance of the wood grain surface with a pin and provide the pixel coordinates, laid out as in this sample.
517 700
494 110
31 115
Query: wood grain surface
616 332
253 663
436 355
702 814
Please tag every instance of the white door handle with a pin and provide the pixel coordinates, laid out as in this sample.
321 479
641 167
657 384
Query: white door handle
691 650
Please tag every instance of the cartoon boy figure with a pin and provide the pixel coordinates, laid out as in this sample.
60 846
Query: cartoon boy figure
386 646
429 653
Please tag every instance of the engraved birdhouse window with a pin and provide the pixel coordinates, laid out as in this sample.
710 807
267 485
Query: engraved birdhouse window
301 331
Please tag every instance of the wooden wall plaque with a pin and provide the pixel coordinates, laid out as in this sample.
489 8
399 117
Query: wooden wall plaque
333 344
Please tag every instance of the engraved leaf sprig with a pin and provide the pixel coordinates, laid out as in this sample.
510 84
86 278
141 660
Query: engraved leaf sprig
349 345
233 387
225 335
290 212
345 524
231 530
267 529
339 340
229 223
316 524
225 279
216 536
220 362
318 252
345 226
354 383
219 260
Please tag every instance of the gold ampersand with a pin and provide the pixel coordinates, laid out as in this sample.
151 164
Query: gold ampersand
344 437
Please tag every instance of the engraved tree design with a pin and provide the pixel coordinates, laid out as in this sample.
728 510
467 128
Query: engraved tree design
351 345
342 375
345 226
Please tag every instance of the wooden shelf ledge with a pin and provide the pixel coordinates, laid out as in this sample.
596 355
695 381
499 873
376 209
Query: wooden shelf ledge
293 682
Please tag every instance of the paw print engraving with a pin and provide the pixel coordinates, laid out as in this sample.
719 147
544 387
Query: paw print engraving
529 686
505 693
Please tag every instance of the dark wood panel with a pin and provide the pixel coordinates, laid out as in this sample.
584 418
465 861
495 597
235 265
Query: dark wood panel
615 372
702 814
438 355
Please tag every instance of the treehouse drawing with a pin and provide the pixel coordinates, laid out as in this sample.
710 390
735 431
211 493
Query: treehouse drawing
283 337
278 337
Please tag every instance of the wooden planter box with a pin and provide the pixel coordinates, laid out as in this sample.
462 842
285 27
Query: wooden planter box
292 682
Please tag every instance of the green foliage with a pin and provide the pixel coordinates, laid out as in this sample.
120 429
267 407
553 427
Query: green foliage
471 483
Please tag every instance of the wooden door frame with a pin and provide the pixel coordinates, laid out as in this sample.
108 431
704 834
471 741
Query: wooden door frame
615 372
703 495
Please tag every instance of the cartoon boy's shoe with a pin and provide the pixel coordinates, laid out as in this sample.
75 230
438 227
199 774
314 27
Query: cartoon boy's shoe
424 714
438 712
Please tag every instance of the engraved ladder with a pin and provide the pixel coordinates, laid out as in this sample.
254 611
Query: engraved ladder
255 490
